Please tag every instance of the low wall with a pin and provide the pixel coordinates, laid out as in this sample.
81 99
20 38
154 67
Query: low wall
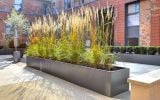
138 58
146 86
6 51
9 51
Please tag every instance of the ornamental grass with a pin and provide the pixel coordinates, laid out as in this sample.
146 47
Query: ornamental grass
64 38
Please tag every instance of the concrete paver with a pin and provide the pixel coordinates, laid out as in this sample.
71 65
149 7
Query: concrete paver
24 83
138 69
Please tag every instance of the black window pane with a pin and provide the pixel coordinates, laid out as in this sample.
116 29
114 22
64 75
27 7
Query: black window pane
67 4
133 32
133 41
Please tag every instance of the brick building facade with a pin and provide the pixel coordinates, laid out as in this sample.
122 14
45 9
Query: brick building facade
30 8
137 21
148 11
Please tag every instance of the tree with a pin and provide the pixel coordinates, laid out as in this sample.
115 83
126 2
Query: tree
18 20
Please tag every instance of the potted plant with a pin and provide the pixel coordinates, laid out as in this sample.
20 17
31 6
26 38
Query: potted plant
66 56
18 25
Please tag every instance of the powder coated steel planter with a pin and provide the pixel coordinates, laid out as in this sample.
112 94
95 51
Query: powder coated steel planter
109 83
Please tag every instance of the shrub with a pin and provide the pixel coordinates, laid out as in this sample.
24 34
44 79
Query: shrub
107 60
111 49
143 50
158 49
62 50
137 50
117 49
33 50
1 47
95 55
140 50
152 50
123 49
22 45
129 49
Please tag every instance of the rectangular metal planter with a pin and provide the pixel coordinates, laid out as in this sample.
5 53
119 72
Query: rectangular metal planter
139 58
9 51
109 83
6 51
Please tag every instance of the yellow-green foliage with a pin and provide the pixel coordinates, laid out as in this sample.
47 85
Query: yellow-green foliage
64 38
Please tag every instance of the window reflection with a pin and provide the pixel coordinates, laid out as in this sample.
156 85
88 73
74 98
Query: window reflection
18 5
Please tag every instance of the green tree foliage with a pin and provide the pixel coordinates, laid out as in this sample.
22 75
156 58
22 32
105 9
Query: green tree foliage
18 20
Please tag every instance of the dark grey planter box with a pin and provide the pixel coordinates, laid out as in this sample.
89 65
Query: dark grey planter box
6 51
109 83
9 51
139 58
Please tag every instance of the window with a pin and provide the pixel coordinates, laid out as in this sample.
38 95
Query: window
49 8
18 5
88 1
67 4
77 3
8 29
132 24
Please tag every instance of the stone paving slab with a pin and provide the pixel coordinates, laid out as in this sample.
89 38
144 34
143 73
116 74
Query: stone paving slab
137 69
24 83
20 82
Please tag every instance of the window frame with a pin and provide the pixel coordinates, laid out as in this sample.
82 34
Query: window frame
126 21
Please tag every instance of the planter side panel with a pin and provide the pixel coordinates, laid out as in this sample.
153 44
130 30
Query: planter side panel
119 81
34 62
83 76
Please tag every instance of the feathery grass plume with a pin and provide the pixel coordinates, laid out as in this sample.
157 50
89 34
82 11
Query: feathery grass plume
64 38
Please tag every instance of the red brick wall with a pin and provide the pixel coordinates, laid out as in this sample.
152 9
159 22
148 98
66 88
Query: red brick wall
155 23
5 6
149 21
31 9
2 25
119 28
145 23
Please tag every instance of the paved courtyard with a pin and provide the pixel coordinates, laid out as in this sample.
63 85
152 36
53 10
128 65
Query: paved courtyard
19 82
